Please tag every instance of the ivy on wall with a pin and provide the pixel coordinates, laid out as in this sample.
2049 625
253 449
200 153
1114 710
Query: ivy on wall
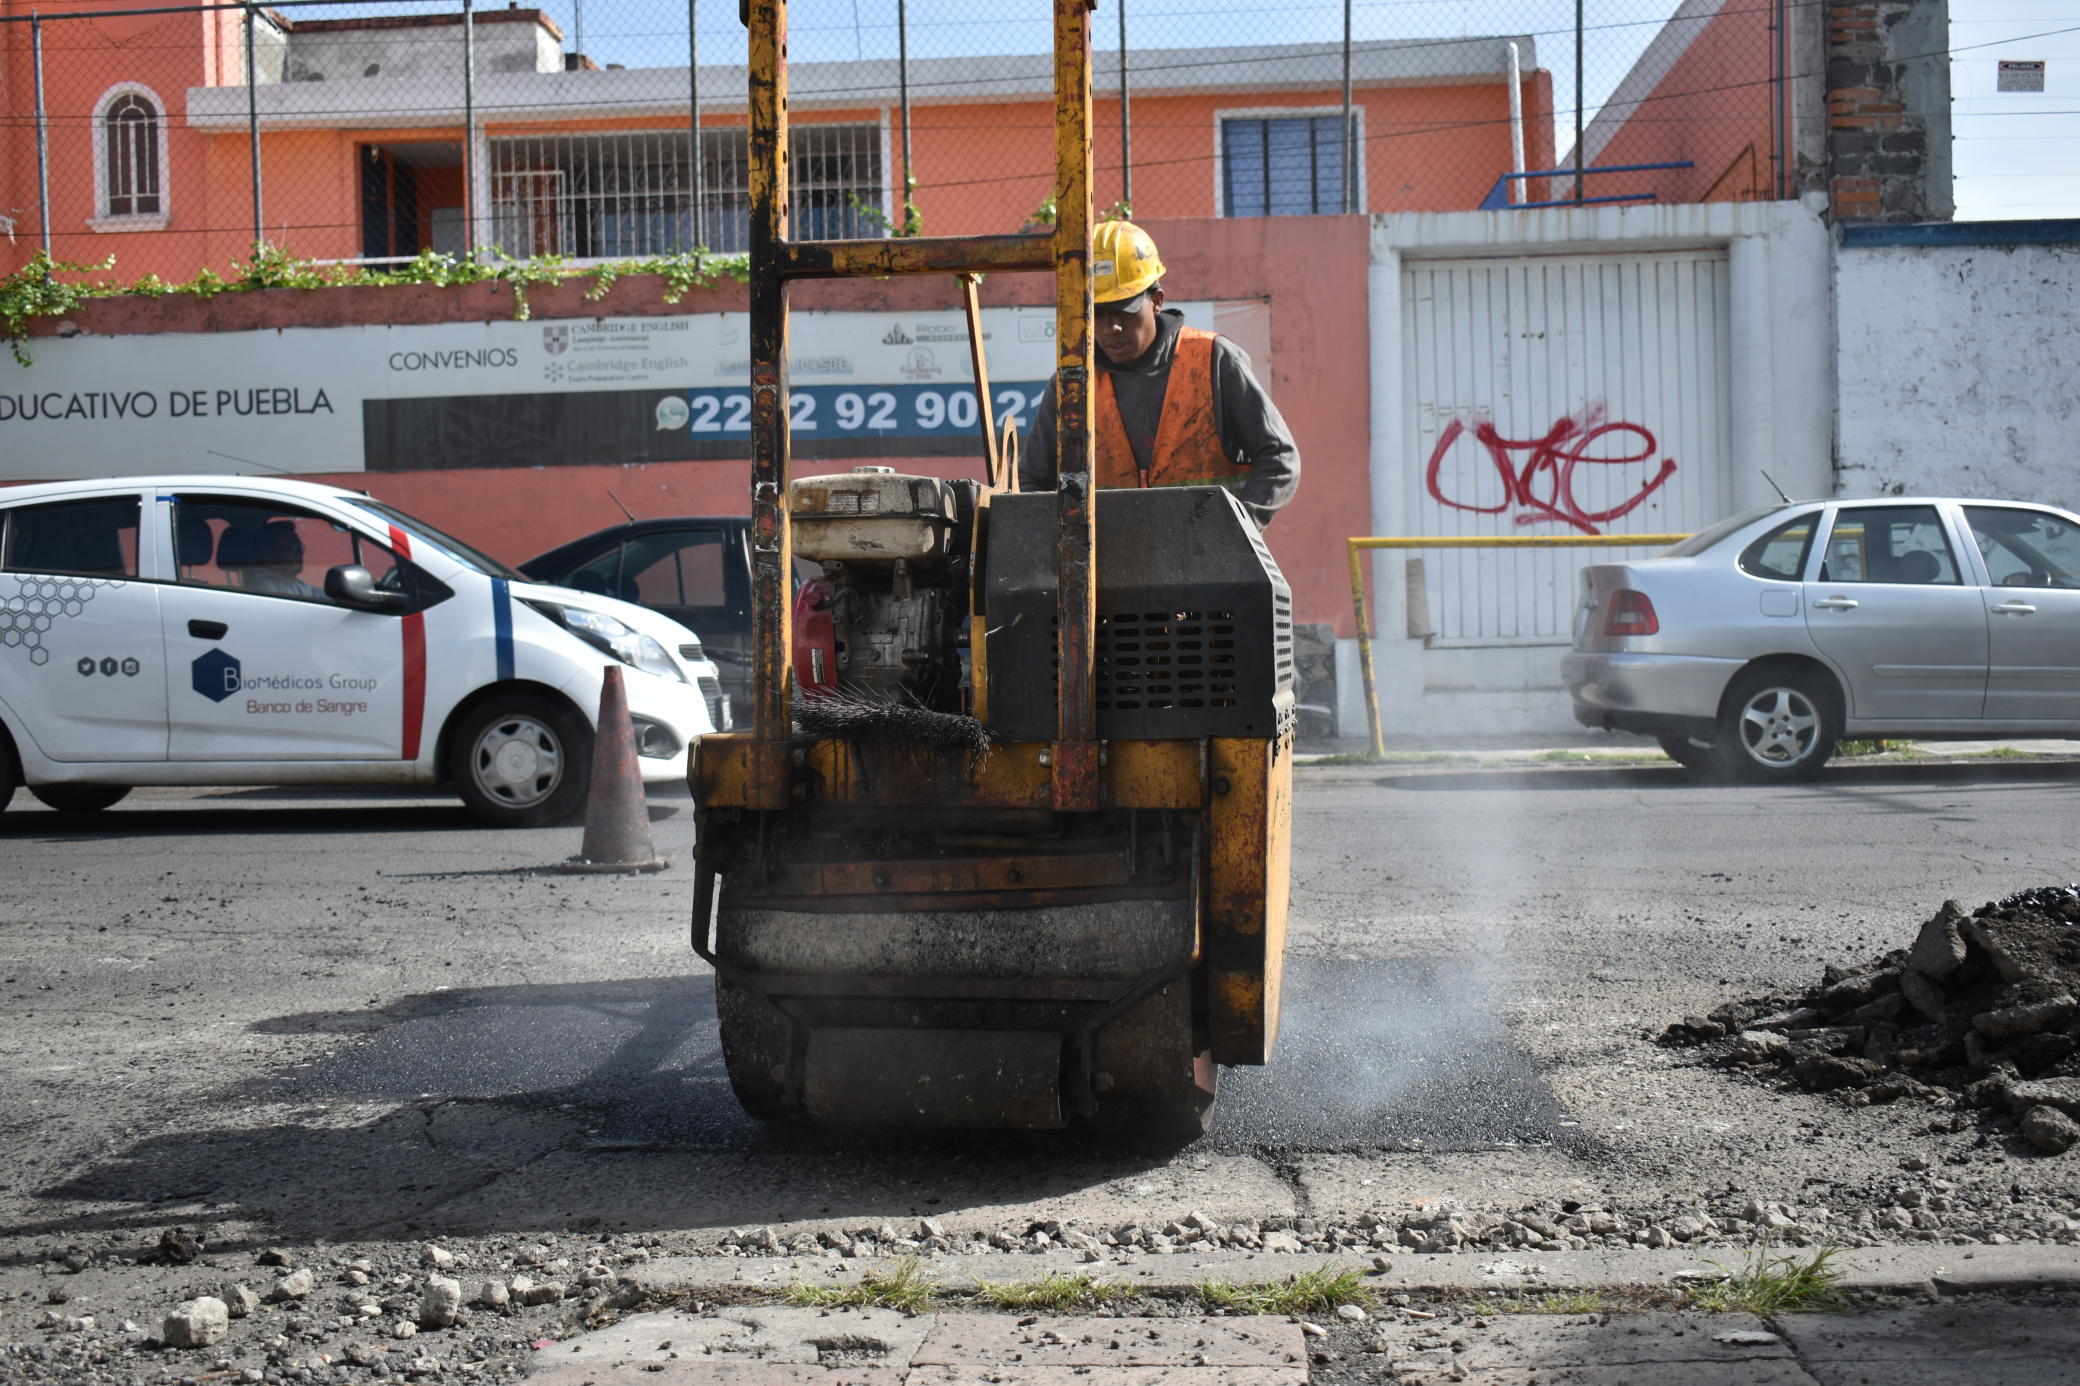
45 287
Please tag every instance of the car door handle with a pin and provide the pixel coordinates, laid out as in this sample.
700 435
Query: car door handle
1836 604
2015 608
208 630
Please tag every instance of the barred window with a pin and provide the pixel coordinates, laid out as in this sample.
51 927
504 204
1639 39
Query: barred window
1282 166
610 196
131 128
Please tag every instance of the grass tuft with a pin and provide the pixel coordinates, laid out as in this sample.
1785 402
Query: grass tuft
1315 1290
1389 758
1774 1285
907 1288
1572 1302
1051 1291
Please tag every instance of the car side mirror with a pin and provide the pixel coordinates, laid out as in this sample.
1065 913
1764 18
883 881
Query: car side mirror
350 584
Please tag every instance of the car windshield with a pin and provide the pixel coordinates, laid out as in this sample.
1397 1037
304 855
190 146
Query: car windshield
426 534
1705 538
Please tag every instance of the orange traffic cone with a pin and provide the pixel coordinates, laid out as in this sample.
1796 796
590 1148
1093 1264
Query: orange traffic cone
617 816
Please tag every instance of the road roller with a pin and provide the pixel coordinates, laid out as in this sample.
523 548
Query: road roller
1006 842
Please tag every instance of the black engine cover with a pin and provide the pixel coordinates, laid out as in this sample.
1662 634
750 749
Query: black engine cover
1195 621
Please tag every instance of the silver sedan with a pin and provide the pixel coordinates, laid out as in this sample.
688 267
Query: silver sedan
1754 646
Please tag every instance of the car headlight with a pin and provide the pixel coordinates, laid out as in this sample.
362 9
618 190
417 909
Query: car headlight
615 637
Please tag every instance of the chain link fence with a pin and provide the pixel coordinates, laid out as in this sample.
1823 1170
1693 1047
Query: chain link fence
175 138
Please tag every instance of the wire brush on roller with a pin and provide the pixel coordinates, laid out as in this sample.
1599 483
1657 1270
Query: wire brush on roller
838 716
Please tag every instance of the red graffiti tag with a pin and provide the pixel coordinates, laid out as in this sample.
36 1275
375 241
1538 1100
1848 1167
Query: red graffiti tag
1550 459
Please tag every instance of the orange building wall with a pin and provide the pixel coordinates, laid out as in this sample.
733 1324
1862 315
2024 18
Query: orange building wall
82 59
1433 148
982 167
1712 108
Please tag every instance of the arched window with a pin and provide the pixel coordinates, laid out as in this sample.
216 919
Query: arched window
130 130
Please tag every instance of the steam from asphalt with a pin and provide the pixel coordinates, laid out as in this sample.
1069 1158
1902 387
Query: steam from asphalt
1399 984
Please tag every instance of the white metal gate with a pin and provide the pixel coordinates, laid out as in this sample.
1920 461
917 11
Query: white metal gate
1575 394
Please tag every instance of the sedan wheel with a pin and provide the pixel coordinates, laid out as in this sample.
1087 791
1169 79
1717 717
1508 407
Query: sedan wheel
1778 725
523 761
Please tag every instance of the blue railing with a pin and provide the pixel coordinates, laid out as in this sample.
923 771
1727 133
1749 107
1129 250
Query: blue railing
1497 199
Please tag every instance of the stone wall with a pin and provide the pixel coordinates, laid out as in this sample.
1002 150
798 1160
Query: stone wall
1888 111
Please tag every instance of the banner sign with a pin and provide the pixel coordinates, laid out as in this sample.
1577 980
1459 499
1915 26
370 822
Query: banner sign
518 394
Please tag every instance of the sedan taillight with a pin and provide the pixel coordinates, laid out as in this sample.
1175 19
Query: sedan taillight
1630 613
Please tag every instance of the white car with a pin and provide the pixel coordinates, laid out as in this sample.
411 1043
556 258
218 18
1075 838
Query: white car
213 630
1750 648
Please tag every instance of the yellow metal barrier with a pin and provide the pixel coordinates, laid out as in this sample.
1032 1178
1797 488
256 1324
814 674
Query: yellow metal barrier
1432 541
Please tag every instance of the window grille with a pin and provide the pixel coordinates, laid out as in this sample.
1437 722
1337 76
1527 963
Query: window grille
1282 166
131 128
621 195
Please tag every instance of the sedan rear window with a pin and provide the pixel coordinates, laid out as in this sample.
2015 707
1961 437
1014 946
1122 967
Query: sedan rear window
1781 553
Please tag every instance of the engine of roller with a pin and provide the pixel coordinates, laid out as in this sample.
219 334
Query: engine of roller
887 620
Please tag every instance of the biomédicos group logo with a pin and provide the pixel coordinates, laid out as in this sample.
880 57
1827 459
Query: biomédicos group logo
217 675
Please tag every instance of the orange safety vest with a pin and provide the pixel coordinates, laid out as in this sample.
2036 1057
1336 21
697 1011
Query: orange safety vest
1187 449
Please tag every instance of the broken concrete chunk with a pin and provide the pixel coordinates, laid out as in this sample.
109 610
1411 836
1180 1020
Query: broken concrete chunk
198 1323
2011 1021
439 1301
2050 1130
526 1291
295 1285
1757 1046
1923 995
930 1227
240 1301
2060 1094
1831 1039
1859 990
440 1258
2011 968
1824 1072
1886 1007
1940 950
1282 1241
492 1294
179 1246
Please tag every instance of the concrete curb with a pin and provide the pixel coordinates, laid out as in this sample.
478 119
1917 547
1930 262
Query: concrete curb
1894 1270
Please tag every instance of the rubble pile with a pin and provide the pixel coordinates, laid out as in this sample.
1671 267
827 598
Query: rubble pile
1982 1011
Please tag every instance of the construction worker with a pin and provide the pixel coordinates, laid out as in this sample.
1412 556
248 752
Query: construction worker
1171 405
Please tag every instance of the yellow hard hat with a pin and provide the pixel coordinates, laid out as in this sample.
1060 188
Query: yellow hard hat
1123 261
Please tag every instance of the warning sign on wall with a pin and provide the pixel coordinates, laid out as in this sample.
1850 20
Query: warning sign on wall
2020 76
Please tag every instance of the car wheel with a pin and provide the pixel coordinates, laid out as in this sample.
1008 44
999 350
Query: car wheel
1777 725
80 798
523 761
1687 752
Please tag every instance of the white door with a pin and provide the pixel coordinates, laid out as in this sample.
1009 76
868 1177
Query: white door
81 659
260 665
2033 612
1563 394
1894 611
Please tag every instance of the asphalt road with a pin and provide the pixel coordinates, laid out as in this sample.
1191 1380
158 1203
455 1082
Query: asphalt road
367 1015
